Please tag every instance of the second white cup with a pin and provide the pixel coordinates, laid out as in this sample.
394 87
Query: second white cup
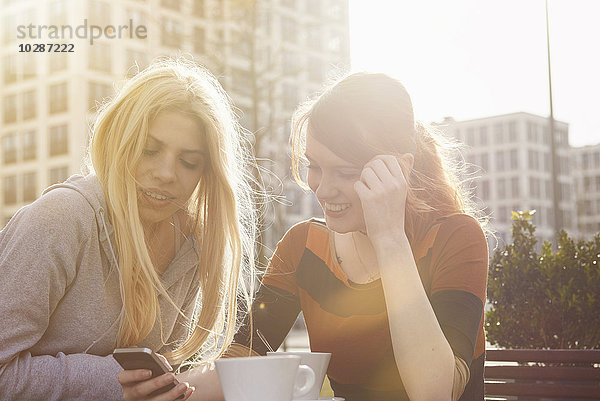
318 362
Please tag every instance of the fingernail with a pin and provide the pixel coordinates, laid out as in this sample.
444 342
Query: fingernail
189 391
147 373
182 386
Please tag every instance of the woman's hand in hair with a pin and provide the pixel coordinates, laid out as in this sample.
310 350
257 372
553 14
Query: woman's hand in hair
137 386
382 189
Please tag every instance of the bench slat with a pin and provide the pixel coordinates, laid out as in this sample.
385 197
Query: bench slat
539 355
542 390
543 373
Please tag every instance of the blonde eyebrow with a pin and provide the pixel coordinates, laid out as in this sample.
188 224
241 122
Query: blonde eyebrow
197 151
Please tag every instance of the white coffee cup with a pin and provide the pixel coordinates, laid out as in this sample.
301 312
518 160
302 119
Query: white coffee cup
318 362
264 378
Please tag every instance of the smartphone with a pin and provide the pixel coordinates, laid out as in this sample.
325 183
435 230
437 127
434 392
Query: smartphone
144 358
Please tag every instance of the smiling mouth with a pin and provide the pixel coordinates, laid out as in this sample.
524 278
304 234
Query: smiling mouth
337 207
156 196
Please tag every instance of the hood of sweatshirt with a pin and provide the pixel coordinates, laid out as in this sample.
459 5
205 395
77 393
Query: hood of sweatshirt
89 187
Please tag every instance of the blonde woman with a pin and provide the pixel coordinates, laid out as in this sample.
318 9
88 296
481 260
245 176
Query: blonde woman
393 281
148 250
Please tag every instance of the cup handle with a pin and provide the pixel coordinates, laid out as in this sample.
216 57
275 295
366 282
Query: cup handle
309 381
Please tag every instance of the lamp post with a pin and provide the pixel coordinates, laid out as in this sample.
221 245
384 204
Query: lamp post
553 156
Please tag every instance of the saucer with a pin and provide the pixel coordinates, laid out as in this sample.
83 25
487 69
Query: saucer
325 399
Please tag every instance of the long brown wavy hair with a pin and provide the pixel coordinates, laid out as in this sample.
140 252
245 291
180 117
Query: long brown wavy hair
366 114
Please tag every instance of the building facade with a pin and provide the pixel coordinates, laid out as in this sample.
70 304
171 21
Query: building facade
586 170
509 168
268 54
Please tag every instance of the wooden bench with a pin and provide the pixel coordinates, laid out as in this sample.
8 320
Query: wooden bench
536 374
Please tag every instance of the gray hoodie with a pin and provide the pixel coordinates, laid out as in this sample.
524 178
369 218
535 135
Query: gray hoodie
60 301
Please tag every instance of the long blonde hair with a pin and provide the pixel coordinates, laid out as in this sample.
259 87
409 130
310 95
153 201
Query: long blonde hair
220 207
365 114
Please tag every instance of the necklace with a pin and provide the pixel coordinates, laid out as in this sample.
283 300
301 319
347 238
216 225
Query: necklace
371 276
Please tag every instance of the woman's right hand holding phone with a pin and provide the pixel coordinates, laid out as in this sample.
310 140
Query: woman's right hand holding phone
137 385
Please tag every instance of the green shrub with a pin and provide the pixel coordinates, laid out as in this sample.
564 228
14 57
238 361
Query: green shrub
545 300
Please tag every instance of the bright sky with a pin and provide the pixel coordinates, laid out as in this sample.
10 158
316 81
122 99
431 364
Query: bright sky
477 58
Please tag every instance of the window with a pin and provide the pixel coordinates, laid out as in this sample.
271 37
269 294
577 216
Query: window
485 162
241 81
97 93
290 96
198 40
313 7
99 13
498 133
290 63
58 174
10 109
503 214
242 44
8 28
470 137
29 145
198 8
9 190
483 136
547 162
137 18
535 187
335 44
172 4
314 38
291 4
315 70
335 10
57 12
9 148
217 10
29 105
29 186
100 57
289 30
534 161
485 190
565 192
499 160
514 159
59 140
58 61
58 98
29 66
532 132
170 33
10 68
501 188
512 131
514 187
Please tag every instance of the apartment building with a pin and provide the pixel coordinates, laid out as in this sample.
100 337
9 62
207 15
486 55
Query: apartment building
586 171
510 169
268 54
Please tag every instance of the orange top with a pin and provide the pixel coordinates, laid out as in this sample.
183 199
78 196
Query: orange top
350 320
